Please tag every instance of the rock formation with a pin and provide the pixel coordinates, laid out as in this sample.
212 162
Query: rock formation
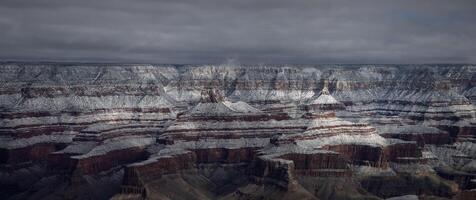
230 132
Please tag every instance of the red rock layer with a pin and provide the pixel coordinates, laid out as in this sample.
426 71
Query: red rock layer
96 164
37 152
325 164
277 172
222 155
398 152
136 175
361 154
461 133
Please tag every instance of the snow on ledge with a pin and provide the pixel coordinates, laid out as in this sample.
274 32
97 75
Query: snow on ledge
325 99
118 144
408 129
15 143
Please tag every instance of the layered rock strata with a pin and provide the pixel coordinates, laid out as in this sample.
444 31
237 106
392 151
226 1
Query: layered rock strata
217 119
329 145
88 119
104 145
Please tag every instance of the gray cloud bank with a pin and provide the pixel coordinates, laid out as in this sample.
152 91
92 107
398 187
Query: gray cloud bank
249 31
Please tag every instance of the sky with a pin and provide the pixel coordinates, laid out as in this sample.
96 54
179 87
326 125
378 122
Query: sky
246 31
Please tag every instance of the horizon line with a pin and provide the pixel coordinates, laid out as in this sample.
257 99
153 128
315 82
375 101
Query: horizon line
222 63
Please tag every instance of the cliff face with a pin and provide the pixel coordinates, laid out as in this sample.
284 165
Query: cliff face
285 124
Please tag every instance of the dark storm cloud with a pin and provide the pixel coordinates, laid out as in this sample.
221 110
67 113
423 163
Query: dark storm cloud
250 31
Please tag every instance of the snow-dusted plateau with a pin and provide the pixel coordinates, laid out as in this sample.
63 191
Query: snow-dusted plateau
123 131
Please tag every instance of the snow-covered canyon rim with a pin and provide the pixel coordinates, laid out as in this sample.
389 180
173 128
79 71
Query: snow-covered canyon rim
23 81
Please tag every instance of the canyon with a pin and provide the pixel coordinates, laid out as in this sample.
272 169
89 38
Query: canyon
146 131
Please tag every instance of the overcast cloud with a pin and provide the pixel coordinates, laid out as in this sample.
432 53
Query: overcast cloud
249 31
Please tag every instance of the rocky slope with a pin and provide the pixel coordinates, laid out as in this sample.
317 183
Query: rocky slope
297 131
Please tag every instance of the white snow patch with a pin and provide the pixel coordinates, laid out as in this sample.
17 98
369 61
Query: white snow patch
325 99
408 129
78 147
210 143
118 144
15 143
